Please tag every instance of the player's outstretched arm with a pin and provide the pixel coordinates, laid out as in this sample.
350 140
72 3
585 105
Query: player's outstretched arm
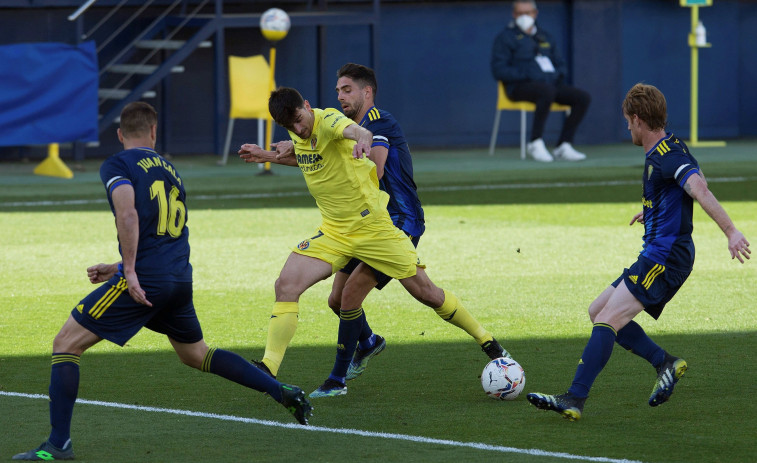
696 187
101 272
250 152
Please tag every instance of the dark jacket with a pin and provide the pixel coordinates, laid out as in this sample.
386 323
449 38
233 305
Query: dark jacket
514 53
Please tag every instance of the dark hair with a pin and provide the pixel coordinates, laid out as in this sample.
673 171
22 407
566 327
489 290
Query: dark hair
137 119
532 2
647 102
283 105
363 75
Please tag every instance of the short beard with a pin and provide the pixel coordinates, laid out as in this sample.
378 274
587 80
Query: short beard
350 112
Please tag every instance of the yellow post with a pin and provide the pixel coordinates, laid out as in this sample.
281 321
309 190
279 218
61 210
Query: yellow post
52 166
269 120
694 118
695 46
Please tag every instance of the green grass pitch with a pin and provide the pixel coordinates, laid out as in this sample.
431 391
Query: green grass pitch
525 246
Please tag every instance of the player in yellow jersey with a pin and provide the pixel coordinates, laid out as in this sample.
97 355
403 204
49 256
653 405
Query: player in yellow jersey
332 153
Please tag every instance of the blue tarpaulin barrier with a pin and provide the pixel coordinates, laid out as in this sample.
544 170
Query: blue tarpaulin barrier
48 93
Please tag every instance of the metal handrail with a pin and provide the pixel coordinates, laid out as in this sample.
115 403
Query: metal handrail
124 25
104 19
73 16
154 51
139 36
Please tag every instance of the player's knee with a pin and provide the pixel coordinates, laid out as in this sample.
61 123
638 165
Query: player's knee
278 286
423 289
427 296
595 308
335 307
434 301
61 344
335 302
593 311
188 361
191 359
426 292
285 288
191 355
65 342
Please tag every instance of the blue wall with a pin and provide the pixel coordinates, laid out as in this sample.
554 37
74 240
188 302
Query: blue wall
658 53
447 95
746 35
434 74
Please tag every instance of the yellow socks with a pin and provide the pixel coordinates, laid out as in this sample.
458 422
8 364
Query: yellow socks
281 330
452 311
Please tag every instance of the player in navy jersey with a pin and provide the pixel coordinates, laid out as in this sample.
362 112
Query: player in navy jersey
150 287
356 89
672 180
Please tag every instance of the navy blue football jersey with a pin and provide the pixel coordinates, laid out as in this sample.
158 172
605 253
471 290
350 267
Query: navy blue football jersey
404 205
159 198
668 208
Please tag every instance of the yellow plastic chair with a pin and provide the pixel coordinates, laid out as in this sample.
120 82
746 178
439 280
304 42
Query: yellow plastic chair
506 104
249 91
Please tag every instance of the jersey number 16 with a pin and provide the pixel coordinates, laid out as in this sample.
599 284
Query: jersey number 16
172 212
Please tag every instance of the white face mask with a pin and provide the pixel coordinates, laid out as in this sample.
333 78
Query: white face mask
524 22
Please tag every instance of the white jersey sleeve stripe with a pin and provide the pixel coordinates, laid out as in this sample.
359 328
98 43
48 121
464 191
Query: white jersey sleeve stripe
675 176
110 182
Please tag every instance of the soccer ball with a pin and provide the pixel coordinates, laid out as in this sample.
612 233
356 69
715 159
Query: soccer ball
503 379
274 24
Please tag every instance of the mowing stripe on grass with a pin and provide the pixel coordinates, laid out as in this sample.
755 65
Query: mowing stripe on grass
355 432
288 194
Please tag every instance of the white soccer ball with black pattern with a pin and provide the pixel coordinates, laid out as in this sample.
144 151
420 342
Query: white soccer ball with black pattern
503 379
274 24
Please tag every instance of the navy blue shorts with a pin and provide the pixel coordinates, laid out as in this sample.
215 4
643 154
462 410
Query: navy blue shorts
381 278
111 313
652 284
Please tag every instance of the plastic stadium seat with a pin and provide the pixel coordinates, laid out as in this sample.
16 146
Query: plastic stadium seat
505 104
249 91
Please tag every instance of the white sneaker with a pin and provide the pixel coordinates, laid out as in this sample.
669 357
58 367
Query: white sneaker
566 152
538 151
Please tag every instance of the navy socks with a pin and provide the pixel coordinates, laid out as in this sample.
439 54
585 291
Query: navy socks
632 337
595 356
350 327
64 387
233 367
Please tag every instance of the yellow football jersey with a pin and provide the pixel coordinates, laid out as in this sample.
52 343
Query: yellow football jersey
346 189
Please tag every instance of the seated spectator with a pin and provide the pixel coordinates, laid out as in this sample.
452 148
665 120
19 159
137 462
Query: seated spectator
526 60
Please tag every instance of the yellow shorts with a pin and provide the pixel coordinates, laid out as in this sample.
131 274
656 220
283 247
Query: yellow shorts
379 244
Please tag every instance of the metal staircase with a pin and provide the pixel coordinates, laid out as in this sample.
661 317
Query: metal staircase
137 54
140 45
